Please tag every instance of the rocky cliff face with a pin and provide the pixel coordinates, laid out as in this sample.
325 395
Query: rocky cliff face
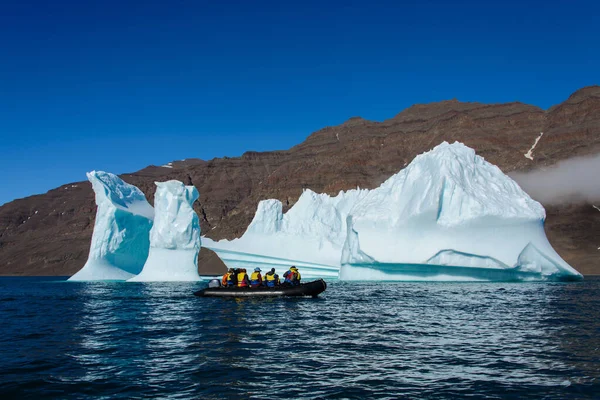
49 234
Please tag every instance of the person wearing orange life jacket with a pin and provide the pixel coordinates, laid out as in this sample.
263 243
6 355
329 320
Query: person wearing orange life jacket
256 279
229 279
271 278
292 276
224 279
242 278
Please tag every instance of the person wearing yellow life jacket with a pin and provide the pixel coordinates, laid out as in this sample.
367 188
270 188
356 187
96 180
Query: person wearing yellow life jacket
229 279
242 278
256 278
271 278
292 276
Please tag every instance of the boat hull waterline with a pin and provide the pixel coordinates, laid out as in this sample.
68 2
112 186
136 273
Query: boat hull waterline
309 289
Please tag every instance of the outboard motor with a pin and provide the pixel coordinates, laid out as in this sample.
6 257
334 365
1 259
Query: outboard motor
214 283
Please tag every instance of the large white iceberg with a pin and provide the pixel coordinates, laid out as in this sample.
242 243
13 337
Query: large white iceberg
449 215
120 239
175 236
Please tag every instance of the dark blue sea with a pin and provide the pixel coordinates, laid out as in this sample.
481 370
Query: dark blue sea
357 340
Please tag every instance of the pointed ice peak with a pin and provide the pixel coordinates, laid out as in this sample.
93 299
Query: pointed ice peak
268 217
452 185
446 152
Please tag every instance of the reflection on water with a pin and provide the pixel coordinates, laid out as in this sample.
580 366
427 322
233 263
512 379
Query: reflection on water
166 336
440 340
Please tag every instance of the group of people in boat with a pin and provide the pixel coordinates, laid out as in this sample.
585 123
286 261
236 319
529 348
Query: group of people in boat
238 277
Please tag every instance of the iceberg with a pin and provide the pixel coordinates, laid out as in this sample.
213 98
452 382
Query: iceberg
120 240
449 215
310 235
174 237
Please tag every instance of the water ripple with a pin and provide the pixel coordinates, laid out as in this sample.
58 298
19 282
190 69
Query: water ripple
358 340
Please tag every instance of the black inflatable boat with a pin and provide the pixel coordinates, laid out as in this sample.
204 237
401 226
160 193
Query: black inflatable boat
313 289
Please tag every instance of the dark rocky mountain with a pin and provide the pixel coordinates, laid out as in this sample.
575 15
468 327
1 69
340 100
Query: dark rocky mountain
49 234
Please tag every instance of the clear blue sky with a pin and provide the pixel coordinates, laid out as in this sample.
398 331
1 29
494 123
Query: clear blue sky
118 85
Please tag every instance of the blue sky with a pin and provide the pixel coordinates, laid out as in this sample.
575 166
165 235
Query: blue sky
117 85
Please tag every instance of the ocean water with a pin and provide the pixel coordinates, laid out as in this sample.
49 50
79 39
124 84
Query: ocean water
357 340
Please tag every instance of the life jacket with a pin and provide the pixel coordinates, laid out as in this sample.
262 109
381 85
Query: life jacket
271 279
255 279
224 280
242 279
290 277
229 279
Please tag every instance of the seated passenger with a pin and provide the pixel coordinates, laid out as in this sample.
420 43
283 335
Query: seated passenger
229 279
292 276
297 273
271 278
256 279
232 281
242 278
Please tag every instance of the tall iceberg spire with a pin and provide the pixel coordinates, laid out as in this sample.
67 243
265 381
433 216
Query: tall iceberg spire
175 236
120 240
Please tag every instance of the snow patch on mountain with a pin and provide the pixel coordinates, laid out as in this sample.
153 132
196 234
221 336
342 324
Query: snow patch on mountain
529 153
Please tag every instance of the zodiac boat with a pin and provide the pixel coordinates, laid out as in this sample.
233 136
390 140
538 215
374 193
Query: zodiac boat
313 289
